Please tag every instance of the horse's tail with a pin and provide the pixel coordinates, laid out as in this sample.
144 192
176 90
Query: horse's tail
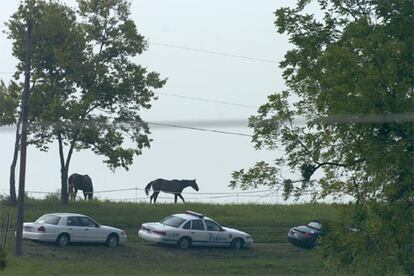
147 188
89 186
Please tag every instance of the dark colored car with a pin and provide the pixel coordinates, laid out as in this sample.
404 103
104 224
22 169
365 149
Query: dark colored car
306 235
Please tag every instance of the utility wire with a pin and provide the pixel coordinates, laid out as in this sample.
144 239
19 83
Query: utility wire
200 129
206 100
168 125
211 52
340 119
210 123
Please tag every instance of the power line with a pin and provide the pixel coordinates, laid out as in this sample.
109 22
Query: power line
206 100
157 124
201 129
328 120
222 123
212 52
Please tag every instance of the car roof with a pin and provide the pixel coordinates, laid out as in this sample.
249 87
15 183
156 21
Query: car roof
189 216
65 214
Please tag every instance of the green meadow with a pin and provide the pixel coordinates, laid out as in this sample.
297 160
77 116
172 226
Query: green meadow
271 253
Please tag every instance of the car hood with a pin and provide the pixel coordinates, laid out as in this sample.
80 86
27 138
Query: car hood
110 228
235 231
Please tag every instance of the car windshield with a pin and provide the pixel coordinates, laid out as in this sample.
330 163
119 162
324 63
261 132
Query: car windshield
49 219
172 221
315 225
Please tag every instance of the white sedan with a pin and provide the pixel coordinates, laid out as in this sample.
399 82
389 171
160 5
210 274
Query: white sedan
64 228
192 228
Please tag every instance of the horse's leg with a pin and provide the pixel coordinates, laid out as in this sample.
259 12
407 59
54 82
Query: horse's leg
175 198
181 197
155 196
85 194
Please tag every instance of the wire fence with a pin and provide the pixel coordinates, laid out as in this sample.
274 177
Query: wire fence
138 195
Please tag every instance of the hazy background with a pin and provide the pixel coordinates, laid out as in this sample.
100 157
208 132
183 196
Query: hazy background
242 28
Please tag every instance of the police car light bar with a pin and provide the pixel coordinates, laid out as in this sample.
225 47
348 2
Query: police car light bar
194 214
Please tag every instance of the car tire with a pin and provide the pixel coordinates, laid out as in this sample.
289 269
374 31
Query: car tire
112 240
63 240
313 243
237 244
184 243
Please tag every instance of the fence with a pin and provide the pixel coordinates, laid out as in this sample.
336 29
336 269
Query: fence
136 194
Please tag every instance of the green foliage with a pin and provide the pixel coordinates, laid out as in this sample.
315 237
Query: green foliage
385 229
53 198
9 101
86 91
84 82
350 77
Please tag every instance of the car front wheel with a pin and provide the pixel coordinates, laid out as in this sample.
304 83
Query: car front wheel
184 243
314 243
63 240
112 240
237 244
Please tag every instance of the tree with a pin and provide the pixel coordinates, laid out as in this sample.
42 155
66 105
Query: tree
85 85
9 102
350 80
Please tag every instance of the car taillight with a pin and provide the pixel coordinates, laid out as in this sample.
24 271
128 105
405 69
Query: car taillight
161 233
307 235
41 229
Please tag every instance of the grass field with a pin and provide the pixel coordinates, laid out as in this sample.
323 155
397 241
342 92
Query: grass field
268 224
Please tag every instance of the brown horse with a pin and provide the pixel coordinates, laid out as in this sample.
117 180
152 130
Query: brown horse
169 186
80 182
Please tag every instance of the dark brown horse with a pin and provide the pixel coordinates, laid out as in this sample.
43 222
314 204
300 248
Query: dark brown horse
80 182
169 186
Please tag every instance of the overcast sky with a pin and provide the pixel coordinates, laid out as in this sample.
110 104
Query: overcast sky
234 27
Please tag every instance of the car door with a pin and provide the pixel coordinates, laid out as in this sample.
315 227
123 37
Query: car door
216 235
92 232
75 228
198 232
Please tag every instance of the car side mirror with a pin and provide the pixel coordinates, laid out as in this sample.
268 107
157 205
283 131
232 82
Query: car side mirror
222 229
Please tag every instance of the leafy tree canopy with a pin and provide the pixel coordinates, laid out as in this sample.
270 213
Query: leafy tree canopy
8 104
86 91
345 121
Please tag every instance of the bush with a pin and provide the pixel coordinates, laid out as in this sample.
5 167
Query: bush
377 241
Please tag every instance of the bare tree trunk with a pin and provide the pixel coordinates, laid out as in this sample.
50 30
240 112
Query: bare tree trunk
64 167
12 198
64 196
23 150
64 186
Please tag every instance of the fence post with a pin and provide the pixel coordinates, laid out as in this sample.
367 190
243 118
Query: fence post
136 194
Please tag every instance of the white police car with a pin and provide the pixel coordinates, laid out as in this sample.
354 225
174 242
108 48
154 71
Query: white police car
192 228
